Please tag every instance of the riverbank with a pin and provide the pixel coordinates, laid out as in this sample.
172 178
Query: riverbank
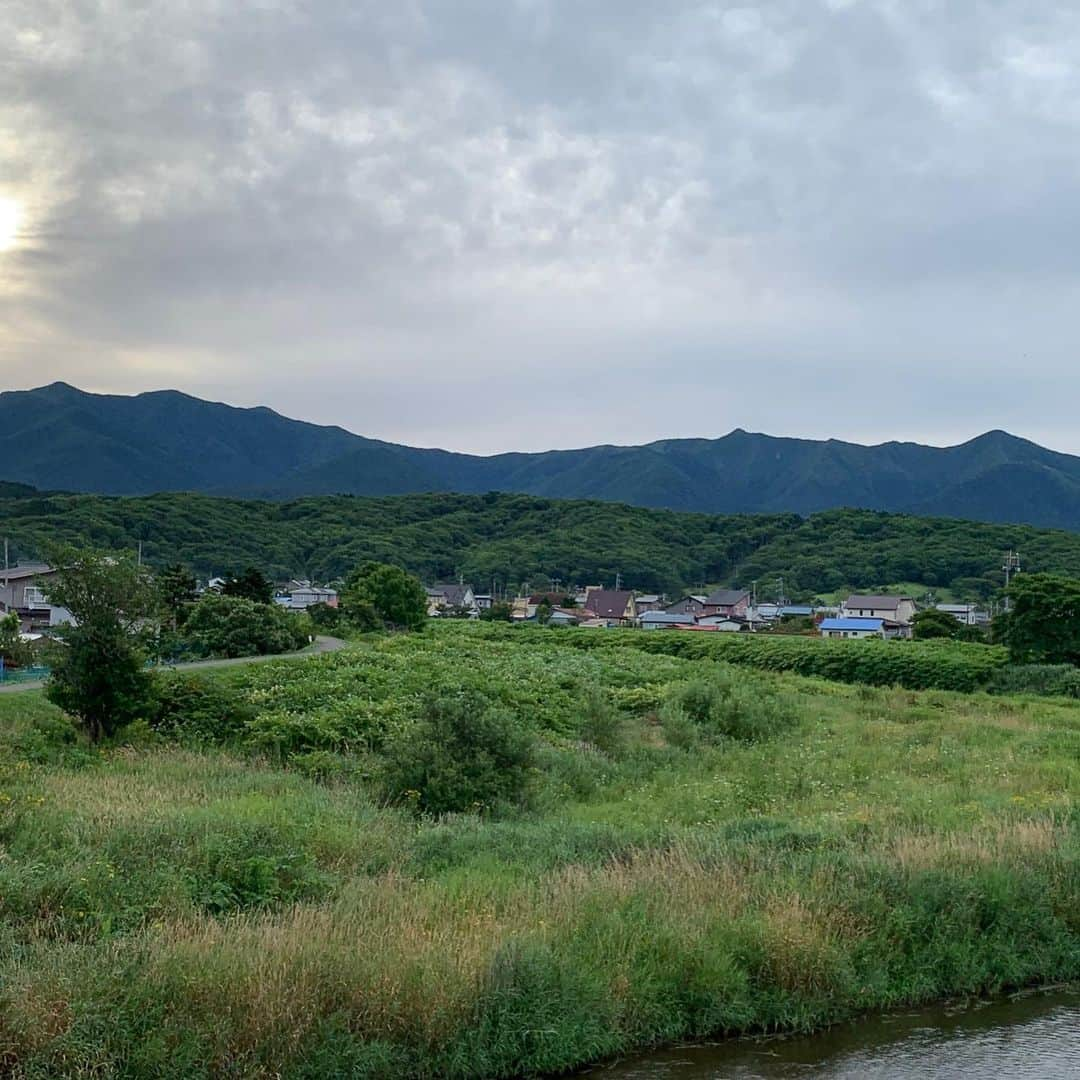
256 908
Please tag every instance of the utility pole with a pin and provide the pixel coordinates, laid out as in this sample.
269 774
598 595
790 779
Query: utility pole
1011 568
618 582
140 553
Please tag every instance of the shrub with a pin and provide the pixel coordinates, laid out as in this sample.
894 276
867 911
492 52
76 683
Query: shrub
731 707
198 709
464 754
602 724
235 626
679 730
1052 680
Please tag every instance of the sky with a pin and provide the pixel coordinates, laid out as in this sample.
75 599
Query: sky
521 224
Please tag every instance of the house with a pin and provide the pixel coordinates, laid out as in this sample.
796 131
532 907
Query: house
612 605
691 604
734 602
852 627
522 610
457 597
898 609
484 601
22 590
727 623
301 595
649 602
664 620
561 616
966 614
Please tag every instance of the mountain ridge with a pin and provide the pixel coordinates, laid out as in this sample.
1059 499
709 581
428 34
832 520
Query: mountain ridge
59 437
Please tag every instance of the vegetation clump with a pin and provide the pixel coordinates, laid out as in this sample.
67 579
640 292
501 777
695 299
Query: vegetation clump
233 625
464 754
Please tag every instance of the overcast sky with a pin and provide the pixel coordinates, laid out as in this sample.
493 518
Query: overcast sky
517 224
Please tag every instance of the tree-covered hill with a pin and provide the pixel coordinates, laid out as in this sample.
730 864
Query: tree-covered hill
517 538
63 438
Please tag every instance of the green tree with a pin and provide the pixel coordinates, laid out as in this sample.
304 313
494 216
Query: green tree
175 586
465 754
932 623
251 584
99 674
221 625
13 650
396 597
1043 624
498 612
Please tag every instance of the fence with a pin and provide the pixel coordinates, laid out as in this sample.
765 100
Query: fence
17 675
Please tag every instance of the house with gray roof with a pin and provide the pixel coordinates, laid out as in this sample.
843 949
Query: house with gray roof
612 605
731 602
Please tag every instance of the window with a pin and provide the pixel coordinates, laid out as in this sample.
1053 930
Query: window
34 597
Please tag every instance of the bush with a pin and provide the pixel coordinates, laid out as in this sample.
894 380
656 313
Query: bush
679 730
1052 680
235 626
730 707
602 724
465 754
198 709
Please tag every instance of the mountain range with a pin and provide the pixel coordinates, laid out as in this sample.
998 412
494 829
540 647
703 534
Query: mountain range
62 438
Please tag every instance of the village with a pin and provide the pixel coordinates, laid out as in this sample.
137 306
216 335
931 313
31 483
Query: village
719 611
24 591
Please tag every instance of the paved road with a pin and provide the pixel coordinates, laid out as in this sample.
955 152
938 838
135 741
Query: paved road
321 645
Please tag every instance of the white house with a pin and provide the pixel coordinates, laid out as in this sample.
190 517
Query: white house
966 614
897 609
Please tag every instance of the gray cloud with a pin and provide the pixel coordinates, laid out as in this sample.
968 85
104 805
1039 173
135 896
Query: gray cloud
540 222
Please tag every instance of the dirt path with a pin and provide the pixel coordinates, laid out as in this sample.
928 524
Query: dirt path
321 645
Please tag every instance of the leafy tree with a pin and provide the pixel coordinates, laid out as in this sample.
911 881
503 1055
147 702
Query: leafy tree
396 596
498 612
176 590
99 672
325 617
252 584
13 650
1043 625
221 625
932 623
543 611
465 754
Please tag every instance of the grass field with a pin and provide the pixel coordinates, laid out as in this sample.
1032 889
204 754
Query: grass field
256 908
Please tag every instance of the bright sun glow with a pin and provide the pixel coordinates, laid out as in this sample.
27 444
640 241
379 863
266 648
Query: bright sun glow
9 223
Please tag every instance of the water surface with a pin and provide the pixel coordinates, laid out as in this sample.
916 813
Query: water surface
1033 1037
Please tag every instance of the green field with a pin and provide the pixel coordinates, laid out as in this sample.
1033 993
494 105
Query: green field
702 850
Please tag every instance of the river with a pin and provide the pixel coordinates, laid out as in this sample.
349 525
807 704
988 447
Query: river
1033 1037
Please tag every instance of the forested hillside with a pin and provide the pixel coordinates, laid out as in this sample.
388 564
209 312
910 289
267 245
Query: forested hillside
516 539
62 438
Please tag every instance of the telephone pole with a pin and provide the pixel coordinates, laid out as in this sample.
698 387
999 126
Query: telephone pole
1011 568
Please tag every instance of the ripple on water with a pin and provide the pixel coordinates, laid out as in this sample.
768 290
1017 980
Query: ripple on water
1035 1037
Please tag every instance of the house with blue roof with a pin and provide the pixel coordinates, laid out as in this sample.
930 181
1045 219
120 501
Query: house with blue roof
852 627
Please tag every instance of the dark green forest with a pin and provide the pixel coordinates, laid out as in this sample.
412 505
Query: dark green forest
516 539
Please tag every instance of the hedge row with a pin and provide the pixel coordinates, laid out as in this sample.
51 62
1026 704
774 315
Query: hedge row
916 665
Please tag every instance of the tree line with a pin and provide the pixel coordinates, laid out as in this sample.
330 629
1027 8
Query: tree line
513 541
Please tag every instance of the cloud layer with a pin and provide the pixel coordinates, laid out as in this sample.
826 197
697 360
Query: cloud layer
533 223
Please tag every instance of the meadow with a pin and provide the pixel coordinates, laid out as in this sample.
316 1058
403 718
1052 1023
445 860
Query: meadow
700 849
